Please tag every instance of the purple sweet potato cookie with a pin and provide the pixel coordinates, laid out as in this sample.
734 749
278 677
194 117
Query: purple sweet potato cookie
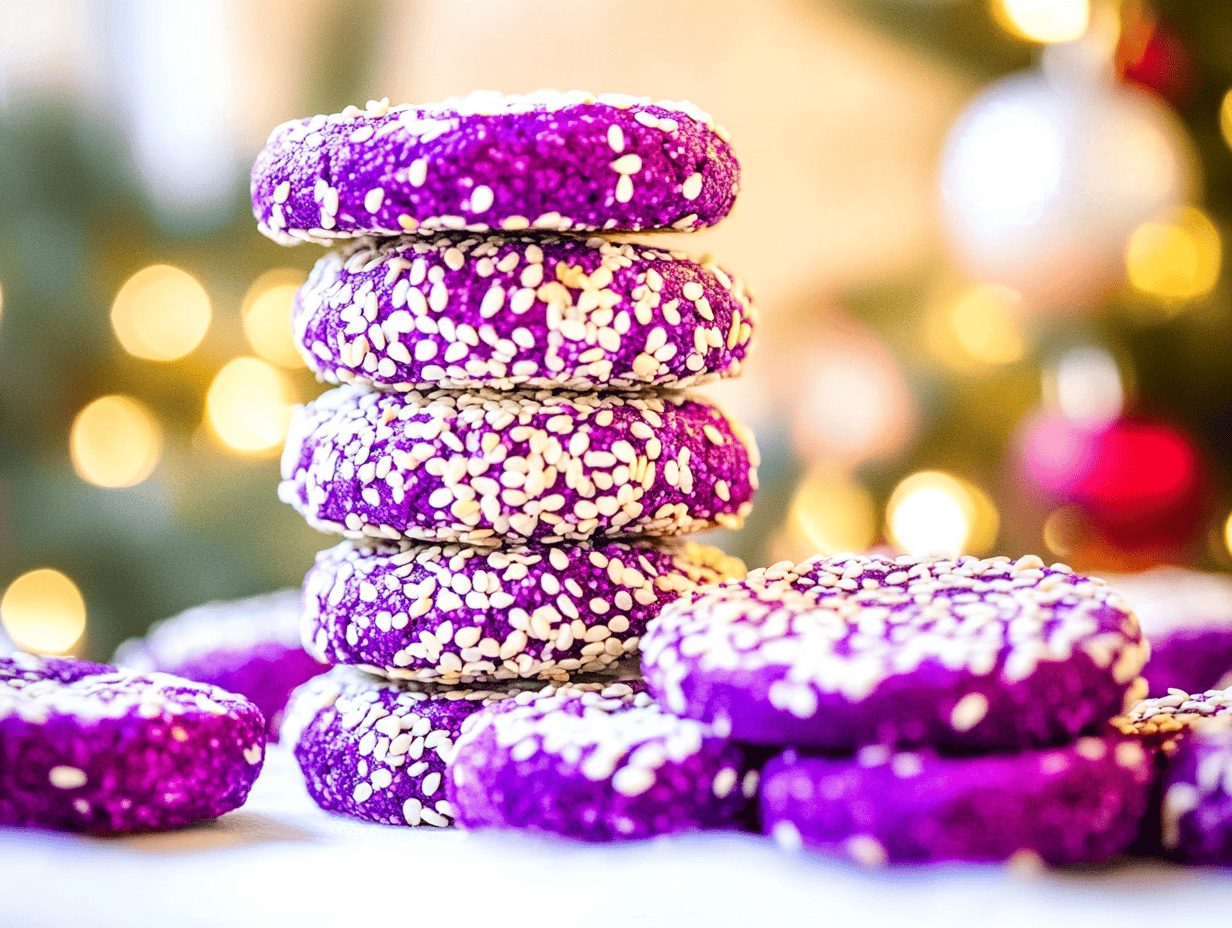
851 650
1186 617
1197 792
520 311
376 750
247 646
487 467
460 614
1163 722
85 747
1076 804
605 766
546 161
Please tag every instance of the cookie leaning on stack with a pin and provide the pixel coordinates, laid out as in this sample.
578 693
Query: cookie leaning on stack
508 509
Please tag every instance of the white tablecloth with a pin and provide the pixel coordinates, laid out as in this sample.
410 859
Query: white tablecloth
281 861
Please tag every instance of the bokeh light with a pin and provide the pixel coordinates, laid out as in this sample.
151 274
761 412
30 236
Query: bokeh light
1225 117
115 442
1086 386
1227 533
43 612
830 513
266 312
161 313
249 405
1044 20
1177 260
983 324
931 512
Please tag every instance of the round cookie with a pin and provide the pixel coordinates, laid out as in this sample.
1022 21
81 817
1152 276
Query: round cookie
520 311
1197 792
461 614
1186 617
85 747
487 467
247 646
1076 804
376 750
606 766
850 650
547 161
1164 721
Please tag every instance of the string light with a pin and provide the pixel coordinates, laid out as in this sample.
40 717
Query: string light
932 512
1044 20
1175 261
161 313
831 513
115 442
249 405
43 612
266 312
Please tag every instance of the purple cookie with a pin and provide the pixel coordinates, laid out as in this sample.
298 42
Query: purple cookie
850 650
1163 722
546 161
376 750
487 467
520 311
1197 792
1076 804
605 766
247 646
1186 617
460 614
84 747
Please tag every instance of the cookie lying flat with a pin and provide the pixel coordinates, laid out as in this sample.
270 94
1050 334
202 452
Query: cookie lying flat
603 766
520 311
852 650
1186 616
485 466
547 160
84 747
1077 804
376 750
457 613
1197 792
246 646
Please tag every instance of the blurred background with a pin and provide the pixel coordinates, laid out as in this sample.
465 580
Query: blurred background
985 237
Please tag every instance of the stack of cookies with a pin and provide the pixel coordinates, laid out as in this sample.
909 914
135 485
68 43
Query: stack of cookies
508 452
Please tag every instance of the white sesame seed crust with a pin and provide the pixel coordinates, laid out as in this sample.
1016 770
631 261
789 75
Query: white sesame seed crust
515 311
849 650
1196 812
1080 803
461 614
486 467
545 160
609 765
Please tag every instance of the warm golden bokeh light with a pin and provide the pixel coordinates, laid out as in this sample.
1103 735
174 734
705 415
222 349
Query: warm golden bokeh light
831 513
1044 20
1227 533
1175 261
983 322
931 512
43 612
115 442
1086 385
249 405
161 313
1225 117
266 313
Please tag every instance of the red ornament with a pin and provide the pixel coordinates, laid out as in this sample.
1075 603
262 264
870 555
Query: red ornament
1153 56
1139 481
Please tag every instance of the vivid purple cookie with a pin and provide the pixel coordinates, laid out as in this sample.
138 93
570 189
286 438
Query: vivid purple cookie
247 646
547 161
520 311
605 766
1076 804
1163 722
376 750
486 467
461 614
1197 792
85 747
1186 617
845 651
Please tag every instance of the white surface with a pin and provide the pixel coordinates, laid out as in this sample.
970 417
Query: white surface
281 861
